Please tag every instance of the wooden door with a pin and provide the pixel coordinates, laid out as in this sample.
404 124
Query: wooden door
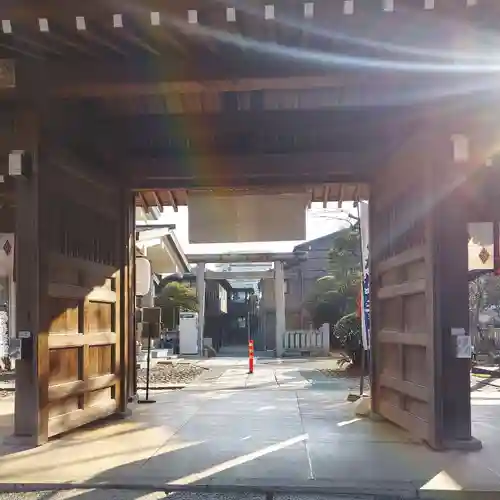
403 329
88 316
81 267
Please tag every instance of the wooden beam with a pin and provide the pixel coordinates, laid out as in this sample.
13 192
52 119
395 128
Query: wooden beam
341 195
64 341
355 193
36 44
74 292
326 194
405 419
413 254
143 201
130 77
77 418
181 197
64 40
173 202
23 52
159 206
406 288
73 388
98 78
128 33
405 387
101 40
325 129
241 170
387 336
161 34
121 89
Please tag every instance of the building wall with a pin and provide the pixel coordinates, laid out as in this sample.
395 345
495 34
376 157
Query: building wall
302 277
300 280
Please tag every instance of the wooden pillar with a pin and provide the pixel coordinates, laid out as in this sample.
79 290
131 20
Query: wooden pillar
451 308
32 370
132 334
376 246
125 249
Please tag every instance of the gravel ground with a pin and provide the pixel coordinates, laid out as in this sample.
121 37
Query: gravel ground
6 381
7 376
171 373
161 374
341 372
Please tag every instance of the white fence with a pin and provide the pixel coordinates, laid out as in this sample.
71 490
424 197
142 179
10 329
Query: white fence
310 341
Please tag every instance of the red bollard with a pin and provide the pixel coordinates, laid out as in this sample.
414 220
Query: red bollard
250 356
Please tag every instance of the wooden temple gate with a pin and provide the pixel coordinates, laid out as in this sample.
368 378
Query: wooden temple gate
279 96
74 230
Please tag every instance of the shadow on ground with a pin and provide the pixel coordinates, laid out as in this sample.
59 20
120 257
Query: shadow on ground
260 437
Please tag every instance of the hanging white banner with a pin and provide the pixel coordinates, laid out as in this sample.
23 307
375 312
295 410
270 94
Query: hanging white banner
365 253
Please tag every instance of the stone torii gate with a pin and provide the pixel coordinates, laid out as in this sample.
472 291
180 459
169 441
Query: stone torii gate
277 274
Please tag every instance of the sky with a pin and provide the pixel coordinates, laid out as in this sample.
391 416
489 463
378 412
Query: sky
319 222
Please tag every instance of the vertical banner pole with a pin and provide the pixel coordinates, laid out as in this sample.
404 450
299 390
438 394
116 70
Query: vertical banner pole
365 287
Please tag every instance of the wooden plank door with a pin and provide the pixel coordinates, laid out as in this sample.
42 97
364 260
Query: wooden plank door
88 302
79 357
402 298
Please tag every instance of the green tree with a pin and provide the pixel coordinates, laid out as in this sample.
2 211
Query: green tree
345 265
492 290
334 296
175 297
348 333
325 303
484 292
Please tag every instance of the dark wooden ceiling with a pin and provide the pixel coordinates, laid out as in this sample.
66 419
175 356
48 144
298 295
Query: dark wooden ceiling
187 95
61 29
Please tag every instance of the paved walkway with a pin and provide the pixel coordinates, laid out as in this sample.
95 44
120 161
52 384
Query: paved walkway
285 425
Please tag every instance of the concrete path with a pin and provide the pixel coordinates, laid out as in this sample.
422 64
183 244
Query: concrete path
285 425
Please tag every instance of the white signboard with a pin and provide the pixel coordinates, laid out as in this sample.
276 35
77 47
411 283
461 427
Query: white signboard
6 253
480 246
365 254
464 346
237 218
